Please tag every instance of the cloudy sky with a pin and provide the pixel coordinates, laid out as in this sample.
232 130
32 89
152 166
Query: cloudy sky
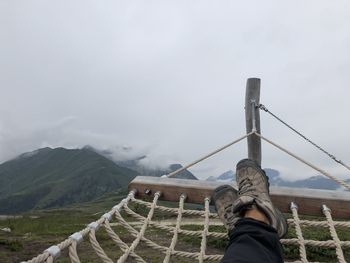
167 78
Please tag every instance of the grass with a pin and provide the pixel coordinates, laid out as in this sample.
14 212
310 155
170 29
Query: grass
322 254
12 245
34 232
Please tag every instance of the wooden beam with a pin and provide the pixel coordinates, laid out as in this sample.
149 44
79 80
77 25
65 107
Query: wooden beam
253 116
308 200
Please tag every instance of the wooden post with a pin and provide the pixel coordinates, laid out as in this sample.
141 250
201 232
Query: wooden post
252 118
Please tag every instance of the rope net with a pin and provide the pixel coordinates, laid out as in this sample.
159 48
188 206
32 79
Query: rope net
135 226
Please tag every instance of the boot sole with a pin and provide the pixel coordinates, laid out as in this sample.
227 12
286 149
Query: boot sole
222 189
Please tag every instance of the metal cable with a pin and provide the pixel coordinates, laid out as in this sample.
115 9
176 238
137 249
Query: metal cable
262 107
341 182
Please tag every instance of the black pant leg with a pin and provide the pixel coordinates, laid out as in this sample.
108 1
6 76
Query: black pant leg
253 241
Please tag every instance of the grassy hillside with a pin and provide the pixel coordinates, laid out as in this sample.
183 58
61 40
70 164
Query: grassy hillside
56 177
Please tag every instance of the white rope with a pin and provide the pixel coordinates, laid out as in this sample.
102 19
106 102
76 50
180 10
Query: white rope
174 211
341 182
302 250
162 249
205 231
338 249
123 258
70 241
171 229
120 243
208 155
129 251
73 255
171 249
98 249
308 223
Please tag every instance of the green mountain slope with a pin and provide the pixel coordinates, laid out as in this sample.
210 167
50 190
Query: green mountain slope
57 177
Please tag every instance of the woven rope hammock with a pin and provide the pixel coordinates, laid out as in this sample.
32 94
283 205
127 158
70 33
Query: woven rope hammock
130 228
114 218
171 188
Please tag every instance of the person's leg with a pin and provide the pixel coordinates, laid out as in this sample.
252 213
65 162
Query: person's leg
256 214
253 240
223 198
254 192
254 225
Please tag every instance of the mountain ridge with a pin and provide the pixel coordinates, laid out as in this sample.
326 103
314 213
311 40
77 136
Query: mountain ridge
56 177
275 179
136 165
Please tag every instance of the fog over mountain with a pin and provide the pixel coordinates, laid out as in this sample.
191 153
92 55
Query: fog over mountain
48 177
166 79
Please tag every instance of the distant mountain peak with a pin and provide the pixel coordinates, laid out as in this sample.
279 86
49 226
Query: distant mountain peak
88 147
32 153
185 174
314 182
55 177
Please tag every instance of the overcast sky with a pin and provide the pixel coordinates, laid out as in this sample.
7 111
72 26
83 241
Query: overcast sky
167 78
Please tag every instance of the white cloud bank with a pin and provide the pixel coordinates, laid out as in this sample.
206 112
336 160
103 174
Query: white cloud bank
168 78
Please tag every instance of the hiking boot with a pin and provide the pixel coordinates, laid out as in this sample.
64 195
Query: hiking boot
224 197
253 191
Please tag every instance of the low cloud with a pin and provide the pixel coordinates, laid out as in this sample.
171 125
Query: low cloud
167 79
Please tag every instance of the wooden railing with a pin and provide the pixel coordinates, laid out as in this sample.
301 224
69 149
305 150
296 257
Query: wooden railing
309 201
